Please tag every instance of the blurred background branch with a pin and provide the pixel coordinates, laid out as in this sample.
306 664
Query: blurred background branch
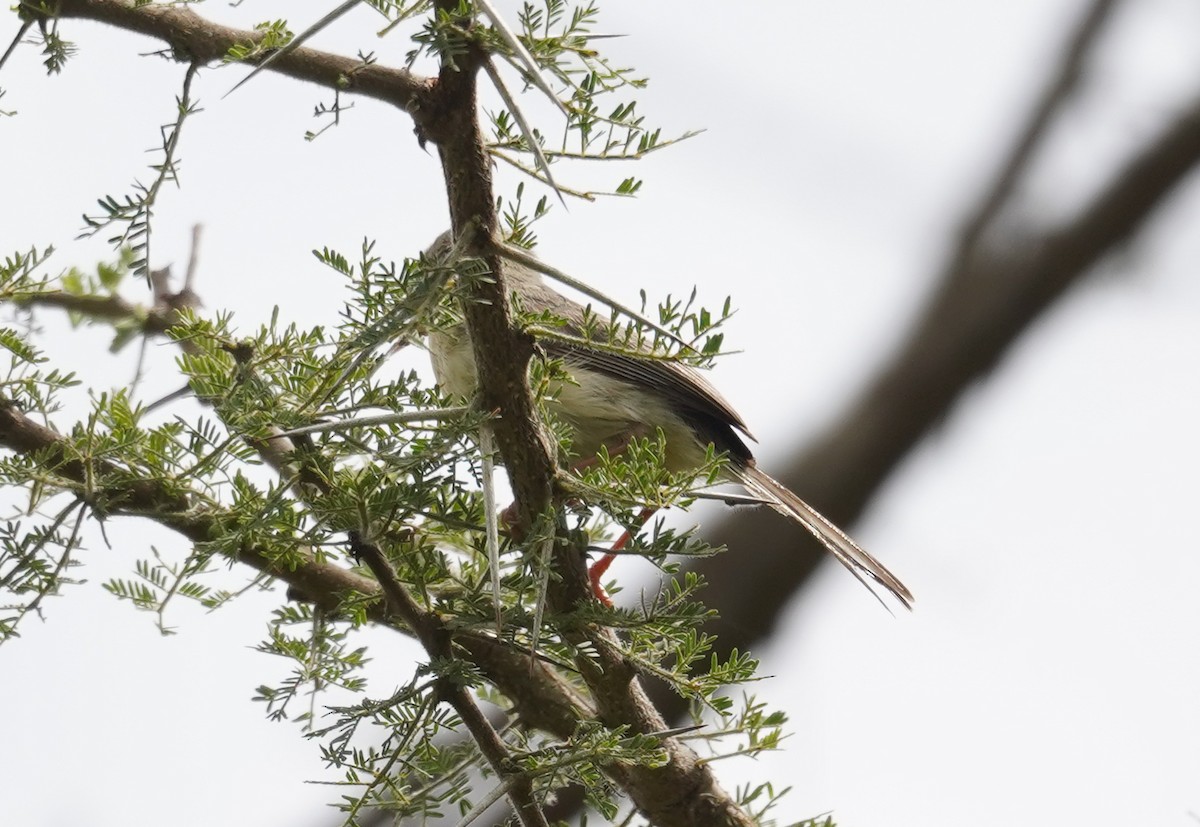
1003 273
1000 276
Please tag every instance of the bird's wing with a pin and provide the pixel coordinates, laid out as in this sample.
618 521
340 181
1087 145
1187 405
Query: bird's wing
683 386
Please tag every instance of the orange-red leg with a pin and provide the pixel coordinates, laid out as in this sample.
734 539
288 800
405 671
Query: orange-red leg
598 568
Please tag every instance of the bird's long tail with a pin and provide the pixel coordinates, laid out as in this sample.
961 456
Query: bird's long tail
850 554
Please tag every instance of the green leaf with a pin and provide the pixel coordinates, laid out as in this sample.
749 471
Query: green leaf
13 342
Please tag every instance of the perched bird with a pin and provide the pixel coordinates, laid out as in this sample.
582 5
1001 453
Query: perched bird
617 396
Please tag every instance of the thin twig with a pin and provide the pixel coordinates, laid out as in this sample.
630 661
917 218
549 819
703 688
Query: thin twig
530 138
518 255
542 561
155 320
487 801
487 451
295 43
193 259
64 559
166 171
12 47
534 71
435 638
636 155
583 195
381 419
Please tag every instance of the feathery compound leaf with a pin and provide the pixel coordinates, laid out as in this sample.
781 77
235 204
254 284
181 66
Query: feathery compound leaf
308 454
13 342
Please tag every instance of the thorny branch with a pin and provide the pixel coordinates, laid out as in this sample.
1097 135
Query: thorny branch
682 793
201 41
543 700
435 637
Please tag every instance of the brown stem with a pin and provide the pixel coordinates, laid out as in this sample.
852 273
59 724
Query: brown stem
684 792
544 700
194 38
435 637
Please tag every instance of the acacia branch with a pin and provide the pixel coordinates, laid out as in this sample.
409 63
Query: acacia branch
683 792
435 637
502 352
1054 97
277 449
193 38
542 699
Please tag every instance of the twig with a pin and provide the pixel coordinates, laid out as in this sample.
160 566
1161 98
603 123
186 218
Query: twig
109 308
637 155
583 195
207 42
381 419
530 137
64 559
533 263
542 699
487 451
543 560
12 47
295 43
167 169
193 260
531 67
435 637
487 801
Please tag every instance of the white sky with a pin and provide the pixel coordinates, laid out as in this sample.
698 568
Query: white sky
1049 673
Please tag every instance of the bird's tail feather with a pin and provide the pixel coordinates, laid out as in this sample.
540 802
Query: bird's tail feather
850 554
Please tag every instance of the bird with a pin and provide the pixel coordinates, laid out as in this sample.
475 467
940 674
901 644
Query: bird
618 395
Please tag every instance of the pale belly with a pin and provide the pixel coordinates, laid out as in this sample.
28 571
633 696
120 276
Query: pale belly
600 411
